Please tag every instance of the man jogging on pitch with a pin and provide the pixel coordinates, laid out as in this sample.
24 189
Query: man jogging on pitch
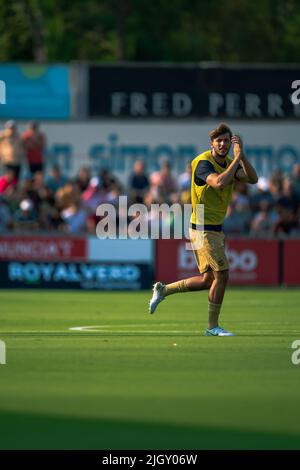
213 176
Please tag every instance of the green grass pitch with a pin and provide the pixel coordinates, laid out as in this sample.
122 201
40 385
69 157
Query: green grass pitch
148 382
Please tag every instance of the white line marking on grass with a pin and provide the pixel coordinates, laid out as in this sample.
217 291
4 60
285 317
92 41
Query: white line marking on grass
99 328
89 328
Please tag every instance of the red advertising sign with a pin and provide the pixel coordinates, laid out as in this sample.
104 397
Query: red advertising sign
42 248
174 261
251 261
291 257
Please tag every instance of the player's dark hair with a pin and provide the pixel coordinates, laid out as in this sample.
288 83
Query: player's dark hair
221 129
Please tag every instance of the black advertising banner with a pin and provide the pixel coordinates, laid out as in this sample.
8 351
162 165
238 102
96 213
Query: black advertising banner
70 275
142 91
251 92
236 92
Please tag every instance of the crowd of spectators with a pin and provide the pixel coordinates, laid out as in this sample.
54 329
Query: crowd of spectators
54 203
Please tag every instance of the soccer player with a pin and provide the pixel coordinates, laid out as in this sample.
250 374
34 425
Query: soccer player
213 176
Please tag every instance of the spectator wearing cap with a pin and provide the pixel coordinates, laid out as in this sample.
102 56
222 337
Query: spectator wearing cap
262 194
11 148
34 143
75 218
96 194
26 219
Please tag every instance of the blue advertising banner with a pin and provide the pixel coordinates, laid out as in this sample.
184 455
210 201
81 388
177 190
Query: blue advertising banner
75 275
36 91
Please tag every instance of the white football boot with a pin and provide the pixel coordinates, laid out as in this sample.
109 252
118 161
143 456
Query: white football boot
157 296
218 331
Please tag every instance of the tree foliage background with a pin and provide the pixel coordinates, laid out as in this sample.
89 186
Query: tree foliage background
150 30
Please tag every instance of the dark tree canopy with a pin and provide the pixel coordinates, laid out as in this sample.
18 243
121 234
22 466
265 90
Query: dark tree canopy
143 30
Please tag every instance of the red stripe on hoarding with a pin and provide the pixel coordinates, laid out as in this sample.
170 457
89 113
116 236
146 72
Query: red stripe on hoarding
42 248
291 258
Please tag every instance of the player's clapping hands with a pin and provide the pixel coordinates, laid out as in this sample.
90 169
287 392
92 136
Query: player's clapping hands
237 146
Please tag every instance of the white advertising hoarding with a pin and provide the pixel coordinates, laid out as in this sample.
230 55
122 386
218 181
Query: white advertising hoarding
115 145
120 250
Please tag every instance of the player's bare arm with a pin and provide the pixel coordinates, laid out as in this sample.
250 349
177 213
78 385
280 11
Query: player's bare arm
247 173
224 179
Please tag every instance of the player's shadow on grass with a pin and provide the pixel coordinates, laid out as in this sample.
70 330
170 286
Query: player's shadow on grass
28 431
